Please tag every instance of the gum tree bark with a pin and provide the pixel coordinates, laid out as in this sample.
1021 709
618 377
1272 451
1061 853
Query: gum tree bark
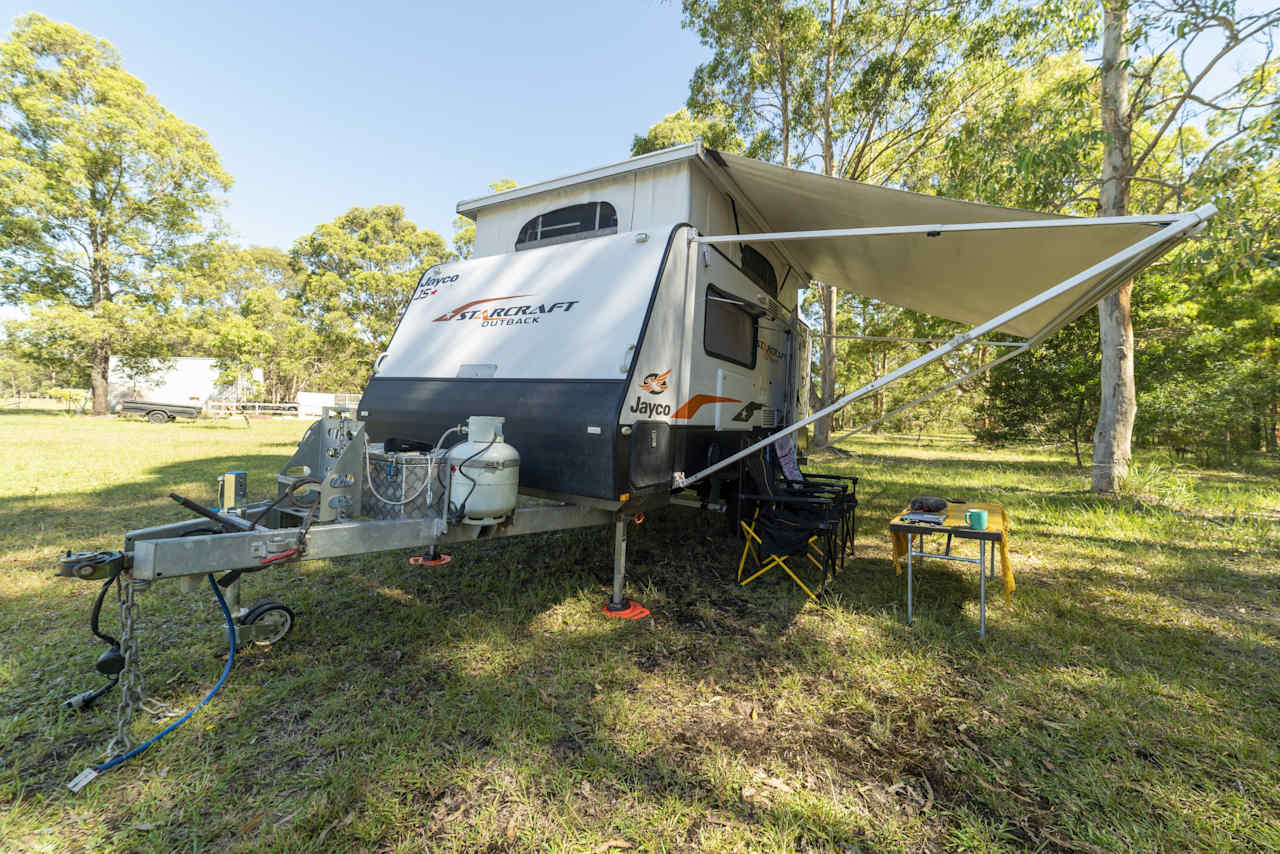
1112 440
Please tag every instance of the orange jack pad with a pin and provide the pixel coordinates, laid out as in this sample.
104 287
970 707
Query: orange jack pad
633 611
419 560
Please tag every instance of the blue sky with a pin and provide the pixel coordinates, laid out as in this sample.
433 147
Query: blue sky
319 106
316 107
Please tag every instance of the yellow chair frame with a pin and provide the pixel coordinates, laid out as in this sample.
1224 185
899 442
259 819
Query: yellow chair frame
750 547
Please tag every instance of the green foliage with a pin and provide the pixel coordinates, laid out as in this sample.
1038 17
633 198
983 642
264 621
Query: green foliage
682 127
18 376
1050 393
100 185
70 398
247 302
356 274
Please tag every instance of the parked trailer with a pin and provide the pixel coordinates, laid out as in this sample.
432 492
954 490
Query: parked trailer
622 335
155 412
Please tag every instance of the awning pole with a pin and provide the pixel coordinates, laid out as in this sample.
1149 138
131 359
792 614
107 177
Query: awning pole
1176 227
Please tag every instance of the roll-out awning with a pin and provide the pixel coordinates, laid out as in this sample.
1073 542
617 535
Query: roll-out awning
996 268
959 260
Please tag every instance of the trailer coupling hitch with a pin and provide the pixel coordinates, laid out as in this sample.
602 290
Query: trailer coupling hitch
91 566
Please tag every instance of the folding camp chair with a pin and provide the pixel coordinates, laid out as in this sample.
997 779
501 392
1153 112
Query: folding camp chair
787 477
796 524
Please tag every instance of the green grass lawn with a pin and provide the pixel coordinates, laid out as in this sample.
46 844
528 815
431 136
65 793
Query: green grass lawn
1128 699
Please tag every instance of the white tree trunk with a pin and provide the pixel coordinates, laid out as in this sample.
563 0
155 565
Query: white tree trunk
822 428
1112 440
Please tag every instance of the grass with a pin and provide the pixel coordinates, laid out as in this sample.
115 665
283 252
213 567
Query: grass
1126 700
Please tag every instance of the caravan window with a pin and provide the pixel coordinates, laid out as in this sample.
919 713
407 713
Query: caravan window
576 222
730 328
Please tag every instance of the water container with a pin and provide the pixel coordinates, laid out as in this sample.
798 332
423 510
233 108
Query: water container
485 474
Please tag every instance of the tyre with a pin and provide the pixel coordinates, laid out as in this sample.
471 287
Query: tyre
276 618
158 416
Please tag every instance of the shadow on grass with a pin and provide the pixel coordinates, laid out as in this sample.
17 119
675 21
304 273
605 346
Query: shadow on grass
451 707
378 696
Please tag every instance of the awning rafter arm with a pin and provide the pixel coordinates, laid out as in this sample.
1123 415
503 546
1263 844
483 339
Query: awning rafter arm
939 229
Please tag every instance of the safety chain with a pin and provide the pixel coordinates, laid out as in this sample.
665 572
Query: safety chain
131 675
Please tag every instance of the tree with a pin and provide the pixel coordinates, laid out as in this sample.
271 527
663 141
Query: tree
356 274
18 376
248 302
1162 94
464 229
759 50
99 183
868 92
1049 393
681 127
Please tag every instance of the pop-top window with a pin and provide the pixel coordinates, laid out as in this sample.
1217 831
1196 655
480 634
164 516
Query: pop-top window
730 328
576 222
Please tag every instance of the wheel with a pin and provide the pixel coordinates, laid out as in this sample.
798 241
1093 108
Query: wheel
158 416
276 620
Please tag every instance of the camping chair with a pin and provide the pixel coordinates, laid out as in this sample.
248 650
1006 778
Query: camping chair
784 471
796 524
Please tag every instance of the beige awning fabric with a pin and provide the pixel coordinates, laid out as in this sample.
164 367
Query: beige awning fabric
968 276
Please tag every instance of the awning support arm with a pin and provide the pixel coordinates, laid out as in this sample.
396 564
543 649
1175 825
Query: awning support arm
1176 227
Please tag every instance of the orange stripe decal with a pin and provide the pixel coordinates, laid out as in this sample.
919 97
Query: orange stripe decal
693 404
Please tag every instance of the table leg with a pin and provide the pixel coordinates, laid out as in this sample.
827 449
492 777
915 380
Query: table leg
982 597
911 546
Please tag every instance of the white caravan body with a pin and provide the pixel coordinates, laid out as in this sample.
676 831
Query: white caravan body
617 361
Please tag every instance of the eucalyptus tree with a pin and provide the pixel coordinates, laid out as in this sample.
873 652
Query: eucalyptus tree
758 67
356 274
682 127
865 91
1158 100
100 186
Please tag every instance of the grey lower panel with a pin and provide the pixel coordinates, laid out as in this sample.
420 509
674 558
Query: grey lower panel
566 431
176 557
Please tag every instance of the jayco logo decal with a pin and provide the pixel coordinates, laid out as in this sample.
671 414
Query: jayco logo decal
507 315
643 407
745 413
429 284
655 383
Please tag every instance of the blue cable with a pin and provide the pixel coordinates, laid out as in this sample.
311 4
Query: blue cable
231 659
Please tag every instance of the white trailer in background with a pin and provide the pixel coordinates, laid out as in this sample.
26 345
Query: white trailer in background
630 331
168 388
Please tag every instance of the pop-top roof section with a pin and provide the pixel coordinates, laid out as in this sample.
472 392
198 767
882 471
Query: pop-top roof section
469 207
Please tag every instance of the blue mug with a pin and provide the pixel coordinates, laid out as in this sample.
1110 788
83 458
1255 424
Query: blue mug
976 519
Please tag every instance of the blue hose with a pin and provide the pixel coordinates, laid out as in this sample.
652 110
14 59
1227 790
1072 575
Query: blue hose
231 659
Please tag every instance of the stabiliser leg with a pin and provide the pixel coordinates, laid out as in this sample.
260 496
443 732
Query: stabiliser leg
618 605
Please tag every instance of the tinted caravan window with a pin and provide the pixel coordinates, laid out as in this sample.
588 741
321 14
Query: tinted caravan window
576 222
730 328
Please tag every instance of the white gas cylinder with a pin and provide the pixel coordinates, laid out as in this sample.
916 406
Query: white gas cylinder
484 473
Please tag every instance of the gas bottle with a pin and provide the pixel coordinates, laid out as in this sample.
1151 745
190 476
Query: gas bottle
484 473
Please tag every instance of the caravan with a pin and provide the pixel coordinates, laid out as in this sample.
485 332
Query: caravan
622 336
